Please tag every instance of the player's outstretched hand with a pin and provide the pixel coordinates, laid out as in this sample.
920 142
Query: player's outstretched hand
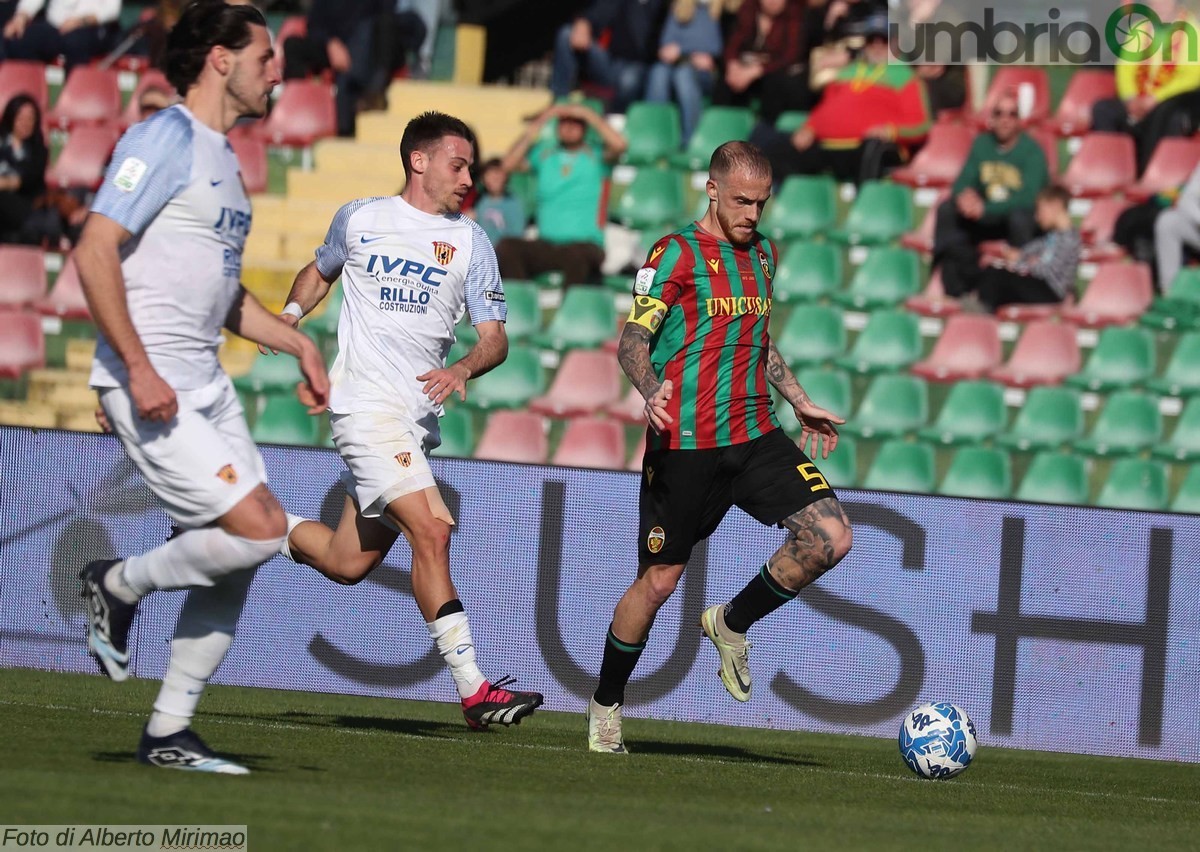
314 390
819 425
440 383
153 398
656 407
290 320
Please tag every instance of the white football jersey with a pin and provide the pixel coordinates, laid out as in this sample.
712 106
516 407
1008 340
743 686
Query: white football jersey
174 184
407 277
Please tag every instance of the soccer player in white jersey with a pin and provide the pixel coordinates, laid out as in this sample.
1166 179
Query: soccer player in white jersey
160 260
410 265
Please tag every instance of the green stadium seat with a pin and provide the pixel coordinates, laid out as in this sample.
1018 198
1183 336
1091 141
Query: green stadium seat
1129 423
891 340
270 374
807 272
978 472
1055 477
1188 497
585 319
881 213
894 404
886 278
806 206
1184 443
652 131
524 317
902 466
653 201
1180 308
841 468
718 125
285 420
791 120
828 388
511 385
458 432
812 334
326 322
973 412
1182 374
1123 357
1051 417
1135 484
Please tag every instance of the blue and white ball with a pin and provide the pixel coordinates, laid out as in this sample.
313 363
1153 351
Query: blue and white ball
937 740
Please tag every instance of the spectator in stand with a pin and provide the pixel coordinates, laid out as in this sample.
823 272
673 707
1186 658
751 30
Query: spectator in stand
399 33
428 13
1178 229
571 175
23 161
765 59
992 198
1043 270
500 213
620 68
78 30
869 108
687 56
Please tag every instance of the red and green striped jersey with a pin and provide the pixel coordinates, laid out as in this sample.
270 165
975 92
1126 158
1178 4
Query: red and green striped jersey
713 341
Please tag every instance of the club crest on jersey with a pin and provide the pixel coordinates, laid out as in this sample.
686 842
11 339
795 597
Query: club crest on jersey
656 540
405 459
443 253
766 266
228 474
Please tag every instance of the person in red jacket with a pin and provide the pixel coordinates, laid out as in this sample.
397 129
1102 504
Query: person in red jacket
765 58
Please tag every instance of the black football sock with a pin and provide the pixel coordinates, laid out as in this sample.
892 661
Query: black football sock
616 669
761 597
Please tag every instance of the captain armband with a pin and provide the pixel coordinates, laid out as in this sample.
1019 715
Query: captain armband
648 312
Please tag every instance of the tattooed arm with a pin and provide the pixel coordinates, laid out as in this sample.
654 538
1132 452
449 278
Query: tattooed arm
816 422
783 379
633 353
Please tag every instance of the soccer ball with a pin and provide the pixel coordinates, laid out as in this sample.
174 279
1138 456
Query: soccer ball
937 740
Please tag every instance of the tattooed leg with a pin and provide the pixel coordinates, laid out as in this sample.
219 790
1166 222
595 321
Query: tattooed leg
820 537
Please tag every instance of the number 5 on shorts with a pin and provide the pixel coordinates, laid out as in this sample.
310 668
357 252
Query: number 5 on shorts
809 472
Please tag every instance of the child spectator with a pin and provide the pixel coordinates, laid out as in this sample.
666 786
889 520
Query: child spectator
498 212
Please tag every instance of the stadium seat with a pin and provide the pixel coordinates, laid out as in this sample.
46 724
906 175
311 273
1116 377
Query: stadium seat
90 96
524 313
1187 499
511 385
1118 294
718 125
652 131
151 78
940 159
653 202
968 348
922 238
827 387
66 299
894 404
1055 477
805 207
881 213
1010 79
1048 142
1045 354
326 322
1180 307
1074 114
1097 230
984 472
22 343
1172 163
1128 423
591 442
20 77
457 428
933 301
791 120
891 340
251 152
807 271
584 320
629 409
1181 377
886 278
80 164
1051 417
1123 357
23 276
514 436
303 114
812 334
1184 443
1135 484
973 412
270 375
586 382
1104 164
841 468
285 420
901 466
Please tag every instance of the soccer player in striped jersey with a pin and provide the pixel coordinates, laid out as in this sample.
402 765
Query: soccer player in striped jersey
697 348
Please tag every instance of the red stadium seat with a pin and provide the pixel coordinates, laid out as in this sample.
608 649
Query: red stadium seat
933 301
1104 164
82 160
19 77
1046 353
1030 311
66 300
1074 114
22 343
514 436
586 382
922 238
90 96
1172 163
629 409
1097 230
1011 78
968 348
1118 294
151 79
592 442
1049 143
940 159
303 114
251 153
22 276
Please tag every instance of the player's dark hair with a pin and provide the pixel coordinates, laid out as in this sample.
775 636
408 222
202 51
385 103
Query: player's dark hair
206 24
741 157
1054 192
425 130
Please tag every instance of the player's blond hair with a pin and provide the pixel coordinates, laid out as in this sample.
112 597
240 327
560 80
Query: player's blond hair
736 156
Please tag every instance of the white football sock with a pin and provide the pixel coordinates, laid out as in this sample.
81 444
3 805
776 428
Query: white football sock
114 583
293 521
198 557
452 634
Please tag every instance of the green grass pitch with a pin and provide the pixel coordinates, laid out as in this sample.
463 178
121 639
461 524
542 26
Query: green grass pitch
349 773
